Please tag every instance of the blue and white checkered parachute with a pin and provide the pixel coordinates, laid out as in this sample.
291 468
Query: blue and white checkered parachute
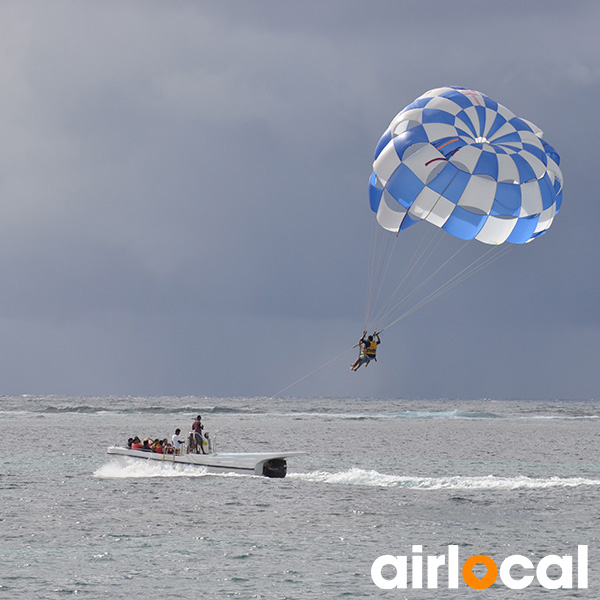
467 164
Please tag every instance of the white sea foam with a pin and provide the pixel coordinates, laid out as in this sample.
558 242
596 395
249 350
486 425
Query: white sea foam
490 482
126 468
564 417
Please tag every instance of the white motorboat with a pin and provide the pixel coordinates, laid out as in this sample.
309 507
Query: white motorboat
269 464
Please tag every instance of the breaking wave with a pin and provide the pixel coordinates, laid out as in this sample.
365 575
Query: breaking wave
299 408
321 412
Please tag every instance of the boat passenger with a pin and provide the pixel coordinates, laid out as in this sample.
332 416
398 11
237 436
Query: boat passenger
147 445
197 428
137 443
177 443
157 446
129 442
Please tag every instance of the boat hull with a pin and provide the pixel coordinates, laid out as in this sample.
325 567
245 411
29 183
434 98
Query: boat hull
268 464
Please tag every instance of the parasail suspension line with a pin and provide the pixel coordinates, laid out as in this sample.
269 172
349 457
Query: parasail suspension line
465 273
312 372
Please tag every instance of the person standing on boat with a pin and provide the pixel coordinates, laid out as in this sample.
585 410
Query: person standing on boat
197 428
177 443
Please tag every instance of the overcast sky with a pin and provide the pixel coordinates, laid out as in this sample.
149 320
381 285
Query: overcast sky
184 208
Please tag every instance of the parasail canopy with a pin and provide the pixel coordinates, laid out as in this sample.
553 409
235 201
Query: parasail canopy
465 163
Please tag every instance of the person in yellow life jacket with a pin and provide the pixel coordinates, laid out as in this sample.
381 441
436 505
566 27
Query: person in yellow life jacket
368 350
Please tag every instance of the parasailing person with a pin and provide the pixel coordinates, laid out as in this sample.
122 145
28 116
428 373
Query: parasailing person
368 350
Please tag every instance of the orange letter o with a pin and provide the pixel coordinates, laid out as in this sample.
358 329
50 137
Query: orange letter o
472 580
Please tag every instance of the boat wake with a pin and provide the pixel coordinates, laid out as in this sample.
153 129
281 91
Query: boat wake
458 482
127 468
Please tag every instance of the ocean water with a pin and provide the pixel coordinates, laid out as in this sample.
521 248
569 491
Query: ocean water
492 477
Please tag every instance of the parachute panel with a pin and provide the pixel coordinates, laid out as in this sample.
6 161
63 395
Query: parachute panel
390 213
497 230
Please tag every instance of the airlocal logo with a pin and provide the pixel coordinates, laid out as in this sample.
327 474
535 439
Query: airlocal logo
521 578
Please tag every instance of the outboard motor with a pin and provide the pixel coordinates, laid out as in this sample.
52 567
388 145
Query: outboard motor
276 467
